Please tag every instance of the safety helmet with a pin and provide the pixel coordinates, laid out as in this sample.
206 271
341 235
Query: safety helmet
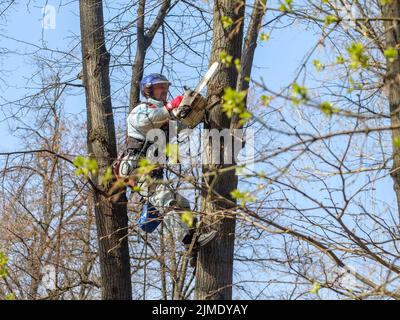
149 81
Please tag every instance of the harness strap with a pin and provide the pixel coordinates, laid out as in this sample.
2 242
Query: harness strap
140 147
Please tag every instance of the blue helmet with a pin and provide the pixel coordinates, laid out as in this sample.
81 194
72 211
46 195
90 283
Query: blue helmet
150 80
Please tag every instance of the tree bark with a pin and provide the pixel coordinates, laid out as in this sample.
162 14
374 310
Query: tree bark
250 44
111 217
392 88
249 49
215 262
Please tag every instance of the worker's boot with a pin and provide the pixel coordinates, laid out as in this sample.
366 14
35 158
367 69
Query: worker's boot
205 238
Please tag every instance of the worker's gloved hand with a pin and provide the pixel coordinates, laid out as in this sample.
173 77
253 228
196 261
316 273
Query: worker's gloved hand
174 103
178 108
185 104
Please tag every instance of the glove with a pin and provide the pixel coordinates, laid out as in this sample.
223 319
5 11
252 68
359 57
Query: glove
174 103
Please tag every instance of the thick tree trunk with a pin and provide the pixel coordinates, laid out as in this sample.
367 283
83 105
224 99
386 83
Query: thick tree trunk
111 218
392 87
215 264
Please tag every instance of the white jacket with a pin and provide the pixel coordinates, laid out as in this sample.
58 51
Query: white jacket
150 114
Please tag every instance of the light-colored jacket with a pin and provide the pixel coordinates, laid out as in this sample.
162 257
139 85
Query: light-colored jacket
151 114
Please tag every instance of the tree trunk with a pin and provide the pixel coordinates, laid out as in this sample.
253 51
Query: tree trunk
215 263
249 49
250 44
392 88
111 218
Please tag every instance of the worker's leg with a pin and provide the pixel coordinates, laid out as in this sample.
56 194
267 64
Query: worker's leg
174 205
165 200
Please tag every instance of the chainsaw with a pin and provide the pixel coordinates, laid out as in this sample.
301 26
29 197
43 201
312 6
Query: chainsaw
191 110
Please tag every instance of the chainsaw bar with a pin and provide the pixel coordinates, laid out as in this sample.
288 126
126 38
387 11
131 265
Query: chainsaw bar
193 106
207 77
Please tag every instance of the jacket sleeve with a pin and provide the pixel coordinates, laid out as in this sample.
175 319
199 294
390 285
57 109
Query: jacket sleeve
145 118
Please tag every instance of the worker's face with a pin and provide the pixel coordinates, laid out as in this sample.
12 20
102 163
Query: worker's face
160 91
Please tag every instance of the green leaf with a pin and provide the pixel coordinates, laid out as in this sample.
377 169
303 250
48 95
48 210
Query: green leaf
233 103
244 117
226 22
265 100
318 65
299 94
339 60
188 218
289 3
287 6
85 165
327 108
391 53
357 56
242 197
225 58
236 194
300 90
145 167
92 166
238 66
385 2
10 296
78 172
3 265
79 161
85 171
107 177
316 287
264 36
330 19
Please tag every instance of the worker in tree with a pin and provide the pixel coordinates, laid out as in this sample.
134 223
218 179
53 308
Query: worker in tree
155 113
